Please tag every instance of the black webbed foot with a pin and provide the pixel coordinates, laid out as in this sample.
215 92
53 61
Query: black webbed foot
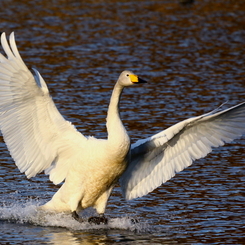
98 220
76 217
134 221
92 220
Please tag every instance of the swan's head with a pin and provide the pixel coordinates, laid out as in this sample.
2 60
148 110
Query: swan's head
128 78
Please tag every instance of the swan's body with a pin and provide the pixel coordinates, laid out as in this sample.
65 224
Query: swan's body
100 164
39 138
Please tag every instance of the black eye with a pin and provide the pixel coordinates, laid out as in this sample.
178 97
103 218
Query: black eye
127 75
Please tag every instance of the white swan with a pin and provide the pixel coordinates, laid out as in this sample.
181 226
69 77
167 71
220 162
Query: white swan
39 138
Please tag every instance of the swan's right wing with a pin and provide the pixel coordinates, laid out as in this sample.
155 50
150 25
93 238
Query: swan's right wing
158 158
36 134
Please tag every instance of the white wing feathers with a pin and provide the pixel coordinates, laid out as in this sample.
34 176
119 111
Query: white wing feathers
156 159
39 138
36 134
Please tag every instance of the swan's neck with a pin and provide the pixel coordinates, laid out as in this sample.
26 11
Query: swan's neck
116 131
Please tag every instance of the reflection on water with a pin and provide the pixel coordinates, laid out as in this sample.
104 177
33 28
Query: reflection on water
193 57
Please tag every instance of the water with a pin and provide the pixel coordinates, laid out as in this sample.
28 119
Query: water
193 57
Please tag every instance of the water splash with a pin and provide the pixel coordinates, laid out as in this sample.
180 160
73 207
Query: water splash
28 213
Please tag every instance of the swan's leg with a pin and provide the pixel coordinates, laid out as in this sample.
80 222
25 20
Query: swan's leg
75 215
100 206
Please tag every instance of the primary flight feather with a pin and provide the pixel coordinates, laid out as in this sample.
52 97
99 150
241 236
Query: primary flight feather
40 139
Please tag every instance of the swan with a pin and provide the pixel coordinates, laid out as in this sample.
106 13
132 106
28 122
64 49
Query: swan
40 139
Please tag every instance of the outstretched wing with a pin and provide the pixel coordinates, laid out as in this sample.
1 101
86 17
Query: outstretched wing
156 159
36 134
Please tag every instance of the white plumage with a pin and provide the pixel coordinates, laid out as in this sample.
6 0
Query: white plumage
40 139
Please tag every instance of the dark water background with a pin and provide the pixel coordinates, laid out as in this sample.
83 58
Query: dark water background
193 57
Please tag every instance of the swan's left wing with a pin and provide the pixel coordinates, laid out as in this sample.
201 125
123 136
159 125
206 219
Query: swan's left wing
156 159
37 135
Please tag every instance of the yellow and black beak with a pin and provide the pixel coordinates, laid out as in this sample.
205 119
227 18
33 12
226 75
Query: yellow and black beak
136 79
